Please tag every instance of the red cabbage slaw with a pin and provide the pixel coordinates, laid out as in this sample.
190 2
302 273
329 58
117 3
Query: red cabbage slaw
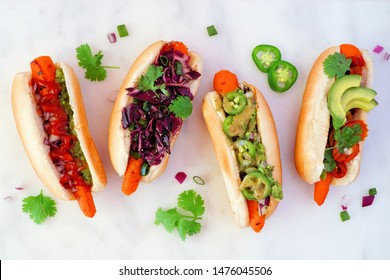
151 123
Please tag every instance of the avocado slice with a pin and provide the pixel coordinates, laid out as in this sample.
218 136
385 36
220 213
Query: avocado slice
336 91
361 93
358 103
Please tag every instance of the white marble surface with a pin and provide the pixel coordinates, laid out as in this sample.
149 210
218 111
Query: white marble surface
123 227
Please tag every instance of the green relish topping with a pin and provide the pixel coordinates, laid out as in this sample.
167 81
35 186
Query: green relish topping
76 150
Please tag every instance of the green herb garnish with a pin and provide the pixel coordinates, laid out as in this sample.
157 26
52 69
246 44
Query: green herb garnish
348 136
344 216
329 162
181 107
372 191
39 207
211 30
188 201
122 30
198 180
336 65
147 81
92 63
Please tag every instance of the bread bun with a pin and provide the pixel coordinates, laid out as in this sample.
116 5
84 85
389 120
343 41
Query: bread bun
214 116
119 138
314 123
32 133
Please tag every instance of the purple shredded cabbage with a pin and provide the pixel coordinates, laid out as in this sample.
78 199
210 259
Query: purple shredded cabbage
148 118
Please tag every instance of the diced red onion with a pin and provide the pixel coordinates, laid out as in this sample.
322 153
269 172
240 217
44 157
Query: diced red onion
19 188
267 200
378 49
111 37
344 202
180 177
367 200
387 56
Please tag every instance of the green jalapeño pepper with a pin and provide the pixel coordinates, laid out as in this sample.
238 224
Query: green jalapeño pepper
245 151
264 56
234 102
282 75
255 186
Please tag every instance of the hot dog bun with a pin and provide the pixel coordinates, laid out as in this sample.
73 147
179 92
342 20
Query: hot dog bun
314 123
32 133
119 138
214 115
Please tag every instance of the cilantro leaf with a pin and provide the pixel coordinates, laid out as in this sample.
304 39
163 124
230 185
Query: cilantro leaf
39 207
192 202
91 63
329 162
188 201
186 227
348 136
181 107
336 65
147 81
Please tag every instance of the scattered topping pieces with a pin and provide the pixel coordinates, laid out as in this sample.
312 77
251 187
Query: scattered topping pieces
122 30
345 201
344 216
92 63
336 65
198 180
39 207
180 177
211 30
188 201
181 107
19 188
387 56
378 49
368 200
372 191
111 37
147 81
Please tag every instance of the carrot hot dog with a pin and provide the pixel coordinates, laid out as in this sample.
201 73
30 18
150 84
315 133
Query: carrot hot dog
244 136
332 123
51 121
154 99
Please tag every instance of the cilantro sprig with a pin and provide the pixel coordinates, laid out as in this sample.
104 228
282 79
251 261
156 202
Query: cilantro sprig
39 207
336 65
181 107
348 136
186 224
95 71
147 81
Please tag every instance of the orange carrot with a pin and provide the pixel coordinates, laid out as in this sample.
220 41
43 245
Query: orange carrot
43 68
256 221
349 50
321 189
225 81
132 175
84 197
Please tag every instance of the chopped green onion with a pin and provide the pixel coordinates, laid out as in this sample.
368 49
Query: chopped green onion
145 169
198 180
211 30
344 216
179 68
122 30
372 191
